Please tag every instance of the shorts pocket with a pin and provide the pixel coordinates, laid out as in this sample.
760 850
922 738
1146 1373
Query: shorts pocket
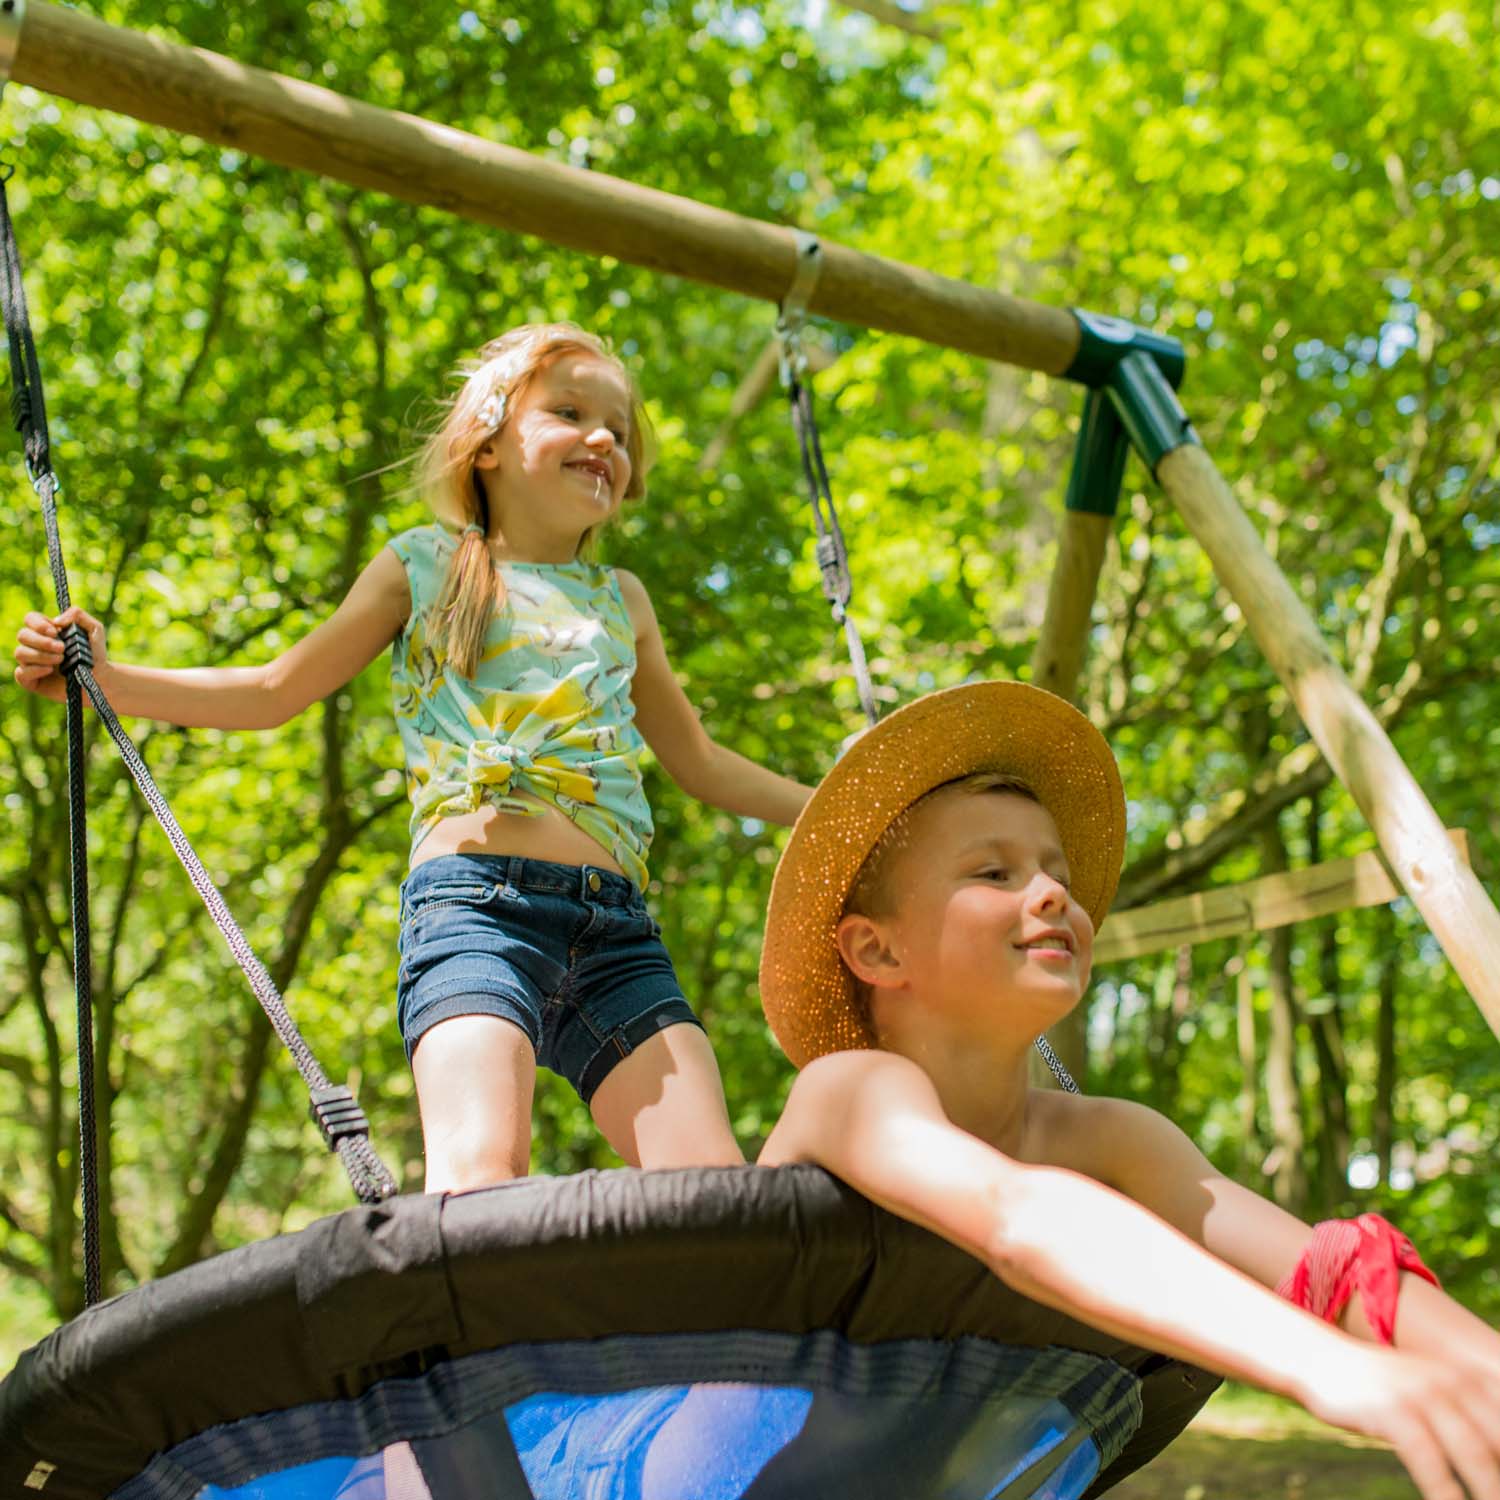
447 893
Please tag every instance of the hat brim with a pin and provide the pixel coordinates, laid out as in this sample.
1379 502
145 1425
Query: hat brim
1010 727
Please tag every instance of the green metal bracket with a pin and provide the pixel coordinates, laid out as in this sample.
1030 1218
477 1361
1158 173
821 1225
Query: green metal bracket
1132 375
1104 341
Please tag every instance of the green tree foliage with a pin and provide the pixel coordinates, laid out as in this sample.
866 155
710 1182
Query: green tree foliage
240 358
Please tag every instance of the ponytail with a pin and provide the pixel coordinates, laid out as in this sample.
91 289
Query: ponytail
471 594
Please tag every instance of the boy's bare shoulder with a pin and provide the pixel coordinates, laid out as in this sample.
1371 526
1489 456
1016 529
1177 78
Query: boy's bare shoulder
840 1091
848 1074
1093 1134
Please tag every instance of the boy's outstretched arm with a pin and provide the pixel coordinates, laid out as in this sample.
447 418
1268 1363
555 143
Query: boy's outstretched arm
875 1120
1150 1159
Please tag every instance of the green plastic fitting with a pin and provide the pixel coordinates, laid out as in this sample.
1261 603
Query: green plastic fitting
1131 375
1098 458
1104 341
1148 408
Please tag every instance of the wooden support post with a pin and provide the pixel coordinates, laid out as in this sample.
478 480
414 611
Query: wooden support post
1060 648
1447 893
315 130
1055 664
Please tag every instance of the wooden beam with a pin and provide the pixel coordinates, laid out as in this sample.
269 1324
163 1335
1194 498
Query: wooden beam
1447 893
313 129
1255 905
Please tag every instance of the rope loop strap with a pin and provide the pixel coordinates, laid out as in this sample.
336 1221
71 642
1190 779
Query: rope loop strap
337 1114
792 314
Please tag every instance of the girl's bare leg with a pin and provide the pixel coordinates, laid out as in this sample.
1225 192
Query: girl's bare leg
475 1077
663 1106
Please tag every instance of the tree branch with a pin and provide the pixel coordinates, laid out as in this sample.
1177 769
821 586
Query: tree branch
890 14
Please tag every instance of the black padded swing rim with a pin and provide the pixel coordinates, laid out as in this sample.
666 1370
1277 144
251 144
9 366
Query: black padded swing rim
390 1289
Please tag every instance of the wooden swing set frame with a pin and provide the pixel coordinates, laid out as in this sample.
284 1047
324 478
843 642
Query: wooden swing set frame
313 129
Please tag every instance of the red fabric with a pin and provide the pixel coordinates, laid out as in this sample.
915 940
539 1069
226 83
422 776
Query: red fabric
1367 1255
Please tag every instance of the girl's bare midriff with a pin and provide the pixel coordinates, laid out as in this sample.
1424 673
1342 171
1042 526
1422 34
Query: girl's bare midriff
550 835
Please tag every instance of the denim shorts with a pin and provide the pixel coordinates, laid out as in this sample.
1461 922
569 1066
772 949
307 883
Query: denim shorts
567 952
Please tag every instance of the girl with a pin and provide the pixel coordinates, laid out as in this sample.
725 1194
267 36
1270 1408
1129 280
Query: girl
525 680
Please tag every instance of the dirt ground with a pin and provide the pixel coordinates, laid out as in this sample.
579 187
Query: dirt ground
1248 1460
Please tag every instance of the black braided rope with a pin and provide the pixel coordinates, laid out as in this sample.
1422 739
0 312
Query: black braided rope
1053 1061
334 1108
371 1179
29 408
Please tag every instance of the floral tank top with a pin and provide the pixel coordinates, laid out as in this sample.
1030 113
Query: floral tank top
547 712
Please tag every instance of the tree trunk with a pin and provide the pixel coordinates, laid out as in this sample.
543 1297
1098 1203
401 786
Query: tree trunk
1383 1110
1170 1002
1283 1093
1252 1149
1326 1022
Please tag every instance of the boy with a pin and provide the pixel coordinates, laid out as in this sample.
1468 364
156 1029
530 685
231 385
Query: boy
932 914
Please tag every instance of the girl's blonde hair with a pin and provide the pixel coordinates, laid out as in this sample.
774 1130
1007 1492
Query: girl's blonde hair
493 382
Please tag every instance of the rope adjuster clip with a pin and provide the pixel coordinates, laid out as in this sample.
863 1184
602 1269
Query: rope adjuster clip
76 650
337 1113
792 314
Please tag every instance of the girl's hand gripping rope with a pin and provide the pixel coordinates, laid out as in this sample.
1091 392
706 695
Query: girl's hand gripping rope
39 650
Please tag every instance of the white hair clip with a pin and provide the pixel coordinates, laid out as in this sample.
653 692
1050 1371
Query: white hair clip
492 413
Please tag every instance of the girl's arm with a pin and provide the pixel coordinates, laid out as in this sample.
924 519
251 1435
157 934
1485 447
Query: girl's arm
370 617
669 724
1150 1159
1065 1240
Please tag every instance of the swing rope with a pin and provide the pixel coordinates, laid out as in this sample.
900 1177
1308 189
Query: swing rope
832 555
333 1107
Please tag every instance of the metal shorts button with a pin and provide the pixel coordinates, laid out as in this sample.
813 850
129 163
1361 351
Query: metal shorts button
594 881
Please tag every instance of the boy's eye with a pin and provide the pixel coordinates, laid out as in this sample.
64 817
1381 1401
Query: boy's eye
995 872
570 412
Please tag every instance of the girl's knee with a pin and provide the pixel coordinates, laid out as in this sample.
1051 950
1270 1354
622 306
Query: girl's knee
468 1162
697 1148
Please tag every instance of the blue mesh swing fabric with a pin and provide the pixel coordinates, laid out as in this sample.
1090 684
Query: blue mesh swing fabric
606 1420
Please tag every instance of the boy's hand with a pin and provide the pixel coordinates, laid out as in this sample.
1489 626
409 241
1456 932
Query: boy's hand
1443 1422
39 650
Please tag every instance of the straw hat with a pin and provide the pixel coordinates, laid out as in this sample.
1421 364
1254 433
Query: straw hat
1011 727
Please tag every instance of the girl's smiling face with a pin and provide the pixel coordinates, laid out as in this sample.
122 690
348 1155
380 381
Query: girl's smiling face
560 464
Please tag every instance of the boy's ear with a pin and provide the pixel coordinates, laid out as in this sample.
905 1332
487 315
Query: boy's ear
488 456
866 950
